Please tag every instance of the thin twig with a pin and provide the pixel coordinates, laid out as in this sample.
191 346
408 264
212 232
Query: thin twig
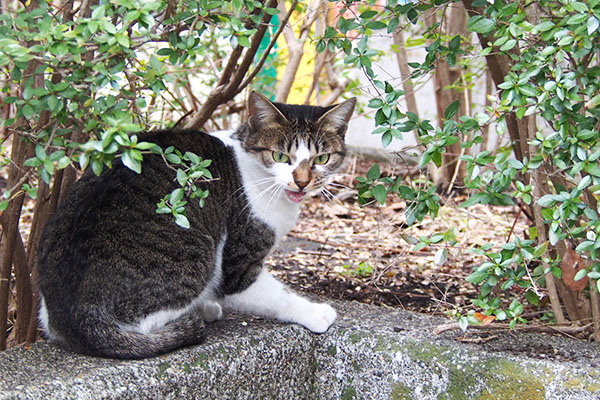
266 54
562 329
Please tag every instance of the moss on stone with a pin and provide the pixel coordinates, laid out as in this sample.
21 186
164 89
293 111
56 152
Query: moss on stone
332 350
505 379
348 393
387 344
430 354
355 337
223 352
400 392
162 368
462 381
491 379
582 383
200 361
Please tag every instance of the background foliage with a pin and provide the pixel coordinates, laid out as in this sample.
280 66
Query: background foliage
543 58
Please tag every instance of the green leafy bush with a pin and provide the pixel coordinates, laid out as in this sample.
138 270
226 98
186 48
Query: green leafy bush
543 57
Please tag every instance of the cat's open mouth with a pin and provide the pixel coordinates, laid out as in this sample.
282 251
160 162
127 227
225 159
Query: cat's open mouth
296 197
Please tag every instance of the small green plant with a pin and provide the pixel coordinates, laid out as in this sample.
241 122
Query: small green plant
362 270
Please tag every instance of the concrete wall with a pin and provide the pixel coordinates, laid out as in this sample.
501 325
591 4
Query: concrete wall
370 353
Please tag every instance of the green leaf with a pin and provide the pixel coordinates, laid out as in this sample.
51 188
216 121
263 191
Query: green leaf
181 177
63 162
483 198
440 256
368 14
592 169
584 182
532 298
480 24
579 6
393 24
182 221
577 19
376 25
477 277
463 323
545 26
580 274
97 167
28 111
592 24
176 196
452 109
386 139
547 200
40 153
380 193
540 250
173 158
131 162
147 146
374 172
508 45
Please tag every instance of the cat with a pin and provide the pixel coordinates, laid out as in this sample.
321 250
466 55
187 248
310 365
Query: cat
118 280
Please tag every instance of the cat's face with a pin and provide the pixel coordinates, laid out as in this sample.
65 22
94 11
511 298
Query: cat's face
299 146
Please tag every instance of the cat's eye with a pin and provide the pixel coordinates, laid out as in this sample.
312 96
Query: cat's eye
280 157
322 159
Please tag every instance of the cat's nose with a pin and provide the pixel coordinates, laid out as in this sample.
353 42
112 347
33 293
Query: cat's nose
301 184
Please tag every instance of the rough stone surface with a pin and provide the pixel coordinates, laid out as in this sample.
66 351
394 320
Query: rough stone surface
370 353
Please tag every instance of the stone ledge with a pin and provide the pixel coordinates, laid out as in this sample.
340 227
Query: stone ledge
370 353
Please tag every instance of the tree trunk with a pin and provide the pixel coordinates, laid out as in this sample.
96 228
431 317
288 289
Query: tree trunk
445 77
407 86
295 47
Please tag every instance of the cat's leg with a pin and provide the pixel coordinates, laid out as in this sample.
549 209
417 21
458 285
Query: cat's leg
267 297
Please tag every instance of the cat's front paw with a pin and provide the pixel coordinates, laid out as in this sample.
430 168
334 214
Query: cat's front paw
211 311
319 317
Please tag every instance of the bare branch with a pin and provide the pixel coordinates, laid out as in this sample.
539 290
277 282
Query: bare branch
230 80
265 55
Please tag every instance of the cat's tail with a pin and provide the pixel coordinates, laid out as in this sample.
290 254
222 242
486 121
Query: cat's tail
101 335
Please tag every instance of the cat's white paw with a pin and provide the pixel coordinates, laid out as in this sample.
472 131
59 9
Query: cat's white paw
318 317
211 311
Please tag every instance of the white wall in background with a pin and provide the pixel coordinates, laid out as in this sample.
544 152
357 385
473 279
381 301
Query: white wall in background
360 127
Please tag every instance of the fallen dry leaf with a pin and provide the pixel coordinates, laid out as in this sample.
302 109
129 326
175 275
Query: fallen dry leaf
570 265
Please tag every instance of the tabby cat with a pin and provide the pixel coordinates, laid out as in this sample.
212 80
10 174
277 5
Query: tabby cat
119 280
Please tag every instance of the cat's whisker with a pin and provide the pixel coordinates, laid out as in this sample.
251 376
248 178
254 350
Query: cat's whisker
339 185
238 193
330 196
252 203
275 195
326 193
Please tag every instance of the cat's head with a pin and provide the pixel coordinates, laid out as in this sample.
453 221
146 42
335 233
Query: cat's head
299 145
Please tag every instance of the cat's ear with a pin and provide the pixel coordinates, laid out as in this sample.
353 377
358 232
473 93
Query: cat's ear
336 119
262 113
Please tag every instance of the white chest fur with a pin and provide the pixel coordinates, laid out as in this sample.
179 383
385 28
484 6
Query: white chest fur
268 203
